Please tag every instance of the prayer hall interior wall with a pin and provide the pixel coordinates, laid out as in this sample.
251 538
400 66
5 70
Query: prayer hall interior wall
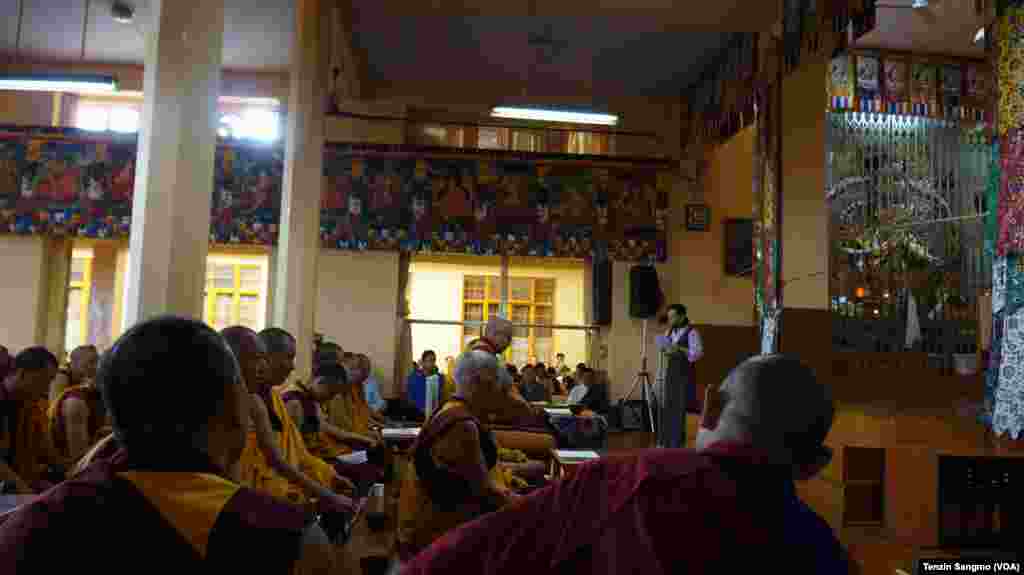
357 306
26 108
804 214
26 298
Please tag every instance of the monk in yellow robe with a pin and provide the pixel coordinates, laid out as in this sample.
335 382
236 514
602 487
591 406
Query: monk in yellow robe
77 420
349 410
81 370
455 476
25 451
167 483
275 459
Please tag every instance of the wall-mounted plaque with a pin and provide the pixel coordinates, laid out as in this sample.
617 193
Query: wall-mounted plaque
697 217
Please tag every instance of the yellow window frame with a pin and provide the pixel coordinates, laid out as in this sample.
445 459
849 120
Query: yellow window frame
84 286
235 292
488 301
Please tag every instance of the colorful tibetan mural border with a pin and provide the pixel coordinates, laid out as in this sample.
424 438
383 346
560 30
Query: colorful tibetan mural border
909 85
73 183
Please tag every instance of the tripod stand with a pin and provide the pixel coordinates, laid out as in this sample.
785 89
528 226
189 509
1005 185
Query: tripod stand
643 379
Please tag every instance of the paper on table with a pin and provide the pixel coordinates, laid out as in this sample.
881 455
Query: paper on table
354 458
558 411
576 454
400 433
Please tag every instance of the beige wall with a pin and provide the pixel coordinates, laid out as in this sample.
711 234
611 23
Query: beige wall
804 214
697 259
24 291
436 294
357 305
26 108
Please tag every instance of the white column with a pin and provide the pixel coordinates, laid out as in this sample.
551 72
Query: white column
174 171
295 293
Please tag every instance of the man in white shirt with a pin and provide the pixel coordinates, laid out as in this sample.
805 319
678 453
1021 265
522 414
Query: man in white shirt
679 392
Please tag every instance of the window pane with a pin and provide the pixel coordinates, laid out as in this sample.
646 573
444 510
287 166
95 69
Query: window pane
221 312
435 135
473 288
249 312
525 141
259 124
92 118
78 269
124 120
222 275
521 314
73 326
543 315
520 351
473 312
545 291
542 348
251 279
489 138
494 288
519 289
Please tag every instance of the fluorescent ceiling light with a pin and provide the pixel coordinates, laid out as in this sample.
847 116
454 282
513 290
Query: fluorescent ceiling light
979 36
58 83
554 116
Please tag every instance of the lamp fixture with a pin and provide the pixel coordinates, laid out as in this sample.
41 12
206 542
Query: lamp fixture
554 116
58 83
919 4
979 37
122 13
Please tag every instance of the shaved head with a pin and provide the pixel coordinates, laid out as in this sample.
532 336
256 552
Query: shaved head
773 402
251 354
499 330
85 361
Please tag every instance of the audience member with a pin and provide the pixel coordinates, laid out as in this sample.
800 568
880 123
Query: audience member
416 383
275 459
622 514
451 481
561 368
81 370
166 484
25 451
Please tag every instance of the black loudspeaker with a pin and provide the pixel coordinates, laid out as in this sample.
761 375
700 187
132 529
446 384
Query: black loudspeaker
644 293
602 288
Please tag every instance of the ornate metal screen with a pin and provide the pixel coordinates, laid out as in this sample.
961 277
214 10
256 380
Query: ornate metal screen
907 195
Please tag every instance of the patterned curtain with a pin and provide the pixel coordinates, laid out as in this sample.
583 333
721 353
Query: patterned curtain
1005 376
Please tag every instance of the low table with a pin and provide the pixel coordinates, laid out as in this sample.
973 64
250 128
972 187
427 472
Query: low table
565 461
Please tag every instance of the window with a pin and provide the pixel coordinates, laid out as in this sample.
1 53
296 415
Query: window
263 124
76 327
531 301
108 116
236 290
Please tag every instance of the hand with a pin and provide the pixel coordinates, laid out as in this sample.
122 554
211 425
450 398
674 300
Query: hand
336 504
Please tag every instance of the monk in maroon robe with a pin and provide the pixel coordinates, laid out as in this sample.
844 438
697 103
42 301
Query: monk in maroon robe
729 507
166 485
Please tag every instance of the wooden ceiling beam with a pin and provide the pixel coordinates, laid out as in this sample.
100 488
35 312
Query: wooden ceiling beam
719 16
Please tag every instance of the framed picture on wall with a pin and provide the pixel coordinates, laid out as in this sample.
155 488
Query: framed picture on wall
739 247
697 217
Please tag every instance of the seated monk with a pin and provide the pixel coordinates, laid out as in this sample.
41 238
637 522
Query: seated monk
322 439
349 411
77 421
25 451
729 507
455 460
81 370
275 460
167 485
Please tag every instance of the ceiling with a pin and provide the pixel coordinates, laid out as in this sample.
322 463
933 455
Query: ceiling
623 47
945 27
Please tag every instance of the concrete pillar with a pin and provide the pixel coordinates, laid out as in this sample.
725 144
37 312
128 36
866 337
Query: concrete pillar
174 178
295 291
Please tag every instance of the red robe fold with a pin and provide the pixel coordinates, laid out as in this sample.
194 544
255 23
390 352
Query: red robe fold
657 512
